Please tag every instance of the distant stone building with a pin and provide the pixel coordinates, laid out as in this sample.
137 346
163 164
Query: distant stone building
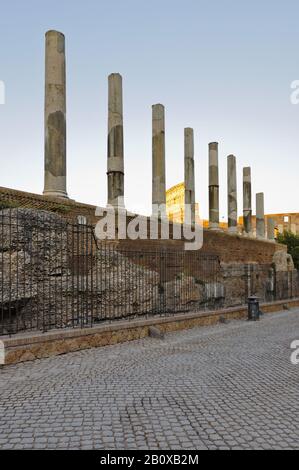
175 209
175 206
287 222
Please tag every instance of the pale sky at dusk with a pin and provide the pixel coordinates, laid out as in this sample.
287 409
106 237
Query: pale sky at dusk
223 67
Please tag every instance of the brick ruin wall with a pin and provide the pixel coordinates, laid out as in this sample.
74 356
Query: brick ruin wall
229 248
245 266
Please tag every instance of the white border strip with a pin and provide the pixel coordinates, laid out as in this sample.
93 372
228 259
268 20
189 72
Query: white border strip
2 353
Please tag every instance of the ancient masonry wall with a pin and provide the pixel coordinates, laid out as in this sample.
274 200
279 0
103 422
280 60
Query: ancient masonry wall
43 258
229 248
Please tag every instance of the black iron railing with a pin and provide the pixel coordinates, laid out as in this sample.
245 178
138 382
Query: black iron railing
55 274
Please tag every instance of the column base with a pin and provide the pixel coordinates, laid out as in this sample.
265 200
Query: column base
117 203
248 235
214 227
56 194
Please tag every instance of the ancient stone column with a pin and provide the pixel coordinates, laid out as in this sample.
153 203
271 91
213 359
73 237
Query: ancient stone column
158 156
115 150
189 176
213 187
260 216
55 116
271 229
232 203
247 203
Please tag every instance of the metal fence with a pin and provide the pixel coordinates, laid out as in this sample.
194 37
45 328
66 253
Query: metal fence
55 274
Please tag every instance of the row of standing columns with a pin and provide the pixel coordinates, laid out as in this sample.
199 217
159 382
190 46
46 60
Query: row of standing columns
55 152
232 199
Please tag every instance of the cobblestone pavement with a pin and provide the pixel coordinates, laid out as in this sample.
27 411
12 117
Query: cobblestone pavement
220 387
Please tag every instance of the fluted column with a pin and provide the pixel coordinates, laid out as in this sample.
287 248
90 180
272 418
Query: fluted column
213 186
55 116
260 216
189 176
247 201
232 203
115 151
158 156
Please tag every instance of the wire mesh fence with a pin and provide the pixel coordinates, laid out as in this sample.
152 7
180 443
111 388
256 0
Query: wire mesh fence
55 274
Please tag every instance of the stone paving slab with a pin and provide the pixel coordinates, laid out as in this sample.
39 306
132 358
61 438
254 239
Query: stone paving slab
220 387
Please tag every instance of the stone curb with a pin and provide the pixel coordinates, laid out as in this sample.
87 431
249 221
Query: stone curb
31 346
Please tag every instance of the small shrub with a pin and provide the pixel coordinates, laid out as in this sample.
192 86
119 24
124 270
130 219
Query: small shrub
292 242
10 204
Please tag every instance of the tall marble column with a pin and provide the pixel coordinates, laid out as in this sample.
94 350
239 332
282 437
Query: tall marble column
55 116
213 186
271 229
115 151
260 216
232 203
158 156
247 202
189 176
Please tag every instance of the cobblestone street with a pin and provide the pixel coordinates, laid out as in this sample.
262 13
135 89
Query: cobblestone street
230 386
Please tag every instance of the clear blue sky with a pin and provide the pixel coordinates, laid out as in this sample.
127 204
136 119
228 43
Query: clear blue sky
223 67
